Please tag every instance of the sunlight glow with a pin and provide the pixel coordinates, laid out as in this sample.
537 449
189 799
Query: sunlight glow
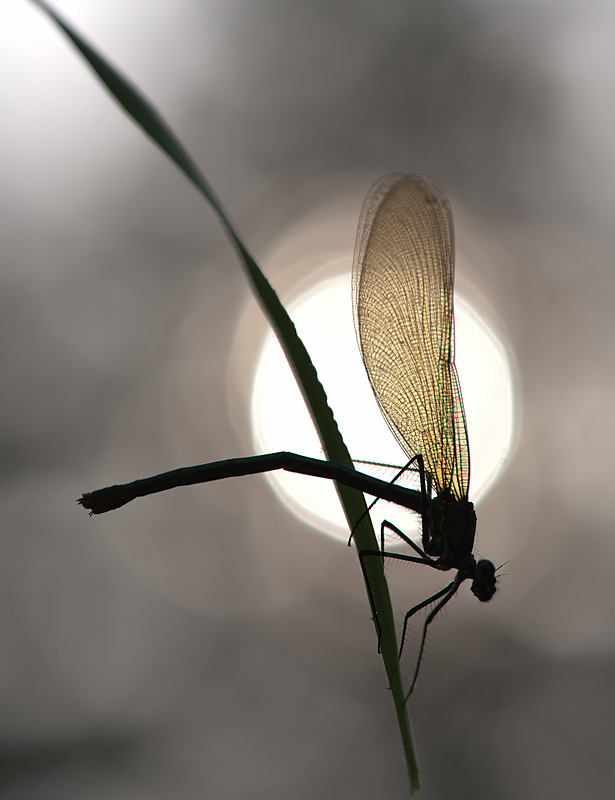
280 420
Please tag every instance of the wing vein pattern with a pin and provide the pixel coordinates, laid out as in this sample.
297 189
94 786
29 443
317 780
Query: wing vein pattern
402 287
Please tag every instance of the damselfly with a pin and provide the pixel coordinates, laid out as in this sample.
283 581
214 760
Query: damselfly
403 278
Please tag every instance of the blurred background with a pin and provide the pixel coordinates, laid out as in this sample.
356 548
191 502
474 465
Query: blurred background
207 643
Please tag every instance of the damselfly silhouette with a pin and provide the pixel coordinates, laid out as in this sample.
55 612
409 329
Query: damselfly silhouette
403 277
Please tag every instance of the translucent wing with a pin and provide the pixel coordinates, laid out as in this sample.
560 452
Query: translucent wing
402 287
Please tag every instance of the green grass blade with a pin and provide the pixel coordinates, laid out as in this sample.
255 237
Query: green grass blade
353 502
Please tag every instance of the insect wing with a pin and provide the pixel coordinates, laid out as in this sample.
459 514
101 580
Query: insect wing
403 278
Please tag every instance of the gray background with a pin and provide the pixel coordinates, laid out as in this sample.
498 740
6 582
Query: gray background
206 643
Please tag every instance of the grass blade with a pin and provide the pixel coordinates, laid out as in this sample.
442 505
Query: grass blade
153 125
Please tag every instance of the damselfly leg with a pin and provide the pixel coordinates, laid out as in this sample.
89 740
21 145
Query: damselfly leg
423 558
448 527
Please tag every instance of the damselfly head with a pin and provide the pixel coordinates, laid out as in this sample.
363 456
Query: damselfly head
483 585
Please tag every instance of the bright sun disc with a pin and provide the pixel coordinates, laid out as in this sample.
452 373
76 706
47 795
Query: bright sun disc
280 421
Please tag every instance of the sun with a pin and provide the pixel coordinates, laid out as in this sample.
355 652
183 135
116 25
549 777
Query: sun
280 420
